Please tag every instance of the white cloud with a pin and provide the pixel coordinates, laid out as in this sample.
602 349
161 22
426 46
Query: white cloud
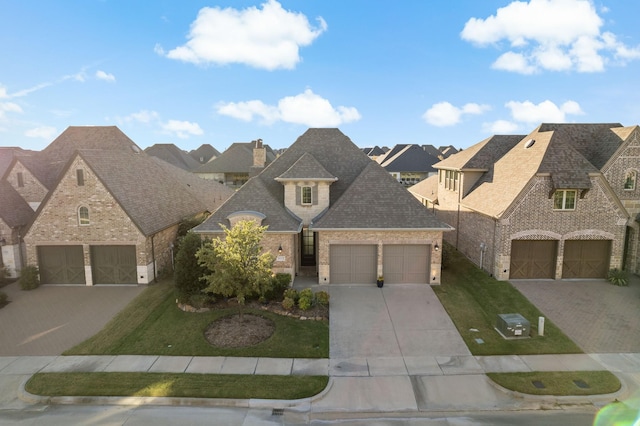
6 107
306 108
500 127
101 75
445 114
554 35
142 116
268 38
546 111
182 129
43 132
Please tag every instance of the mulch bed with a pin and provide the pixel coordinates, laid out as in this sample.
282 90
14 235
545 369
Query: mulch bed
236 332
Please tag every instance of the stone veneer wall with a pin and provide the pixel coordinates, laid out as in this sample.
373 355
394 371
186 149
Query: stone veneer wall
57 223
326 238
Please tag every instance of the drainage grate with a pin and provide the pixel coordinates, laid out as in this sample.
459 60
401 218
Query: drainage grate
538 384
581 384
277 412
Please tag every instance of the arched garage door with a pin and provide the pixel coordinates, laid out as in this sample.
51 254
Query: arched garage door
533 259
586 258
406 263
353 264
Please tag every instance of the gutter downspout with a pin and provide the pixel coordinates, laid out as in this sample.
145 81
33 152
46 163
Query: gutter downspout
153 259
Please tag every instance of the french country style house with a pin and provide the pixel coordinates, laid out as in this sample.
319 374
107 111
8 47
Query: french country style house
333 213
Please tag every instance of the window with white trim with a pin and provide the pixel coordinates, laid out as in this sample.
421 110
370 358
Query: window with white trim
451 178
83 216
565 199
630 180
306 198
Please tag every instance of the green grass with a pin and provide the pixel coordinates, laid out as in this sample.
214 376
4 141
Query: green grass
559 383
152 324
473 300
175 385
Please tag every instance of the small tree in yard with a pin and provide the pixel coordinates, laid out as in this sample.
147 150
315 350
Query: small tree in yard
237 265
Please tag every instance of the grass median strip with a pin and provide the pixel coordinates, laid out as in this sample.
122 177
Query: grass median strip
176 385
559 383
473 300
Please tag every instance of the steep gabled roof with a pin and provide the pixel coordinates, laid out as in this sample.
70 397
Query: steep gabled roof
173 155
205 151
411 158
388 206
426 188
481 155
307 167
14 210
566 152
341 158
149 195
238 158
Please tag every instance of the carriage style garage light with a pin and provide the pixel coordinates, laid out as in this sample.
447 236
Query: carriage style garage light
436 247
280 249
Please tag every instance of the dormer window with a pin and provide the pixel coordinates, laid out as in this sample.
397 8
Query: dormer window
630 181
564 199
306 197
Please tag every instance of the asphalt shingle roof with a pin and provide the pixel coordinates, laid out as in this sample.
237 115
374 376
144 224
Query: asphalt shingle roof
238 158
206 151
426 188
307 167
367 205
411 158
173 155
14 210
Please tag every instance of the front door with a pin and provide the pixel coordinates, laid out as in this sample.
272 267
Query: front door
308 247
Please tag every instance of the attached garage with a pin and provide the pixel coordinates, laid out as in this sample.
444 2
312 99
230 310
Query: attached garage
353 264
114 264
61 264
532 259
406 263
586 258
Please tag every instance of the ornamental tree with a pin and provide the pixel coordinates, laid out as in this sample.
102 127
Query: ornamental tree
237 266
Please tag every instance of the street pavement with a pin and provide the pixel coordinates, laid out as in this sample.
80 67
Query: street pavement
392 350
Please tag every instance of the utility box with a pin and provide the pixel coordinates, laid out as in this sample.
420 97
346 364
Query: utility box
512 326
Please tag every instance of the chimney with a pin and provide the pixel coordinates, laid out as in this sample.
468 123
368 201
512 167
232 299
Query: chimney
259 154
259 157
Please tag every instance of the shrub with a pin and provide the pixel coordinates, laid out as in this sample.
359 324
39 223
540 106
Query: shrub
291 293
29 278
201 300
305 299
322 297
279 283
3 299
288 303
618 277
187 270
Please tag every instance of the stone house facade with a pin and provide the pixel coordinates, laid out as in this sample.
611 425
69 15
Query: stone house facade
557 203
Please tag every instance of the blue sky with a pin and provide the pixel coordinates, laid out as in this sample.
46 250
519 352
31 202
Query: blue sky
218 72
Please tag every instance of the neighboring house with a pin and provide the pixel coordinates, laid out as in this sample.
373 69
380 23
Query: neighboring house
204 153
238 163
173 155
109 213
374 152
408 164
333 212
561 202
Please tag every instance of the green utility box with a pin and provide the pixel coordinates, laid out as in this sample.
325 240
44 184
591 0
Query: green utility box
512 326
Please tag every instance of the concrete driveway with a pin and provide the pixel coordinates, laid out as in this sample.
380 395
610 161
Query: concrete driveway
52 319
598 316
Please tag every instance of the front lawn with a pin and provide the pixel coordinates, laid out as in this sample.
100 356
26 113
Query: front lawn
152 324
473 300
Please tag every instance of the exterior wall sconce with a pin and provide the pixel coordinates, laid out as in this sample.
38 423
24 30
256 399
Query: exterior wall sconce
436 247
280 249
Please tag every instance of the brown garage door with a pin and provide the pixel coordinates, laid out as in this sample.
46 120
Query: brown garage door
353 264
61 264
586 259
406 263
533 259
114 264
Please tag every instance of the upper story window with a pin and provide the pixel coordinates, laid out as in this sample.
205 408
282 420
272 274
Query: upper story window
451 179
20 178
630 180
306 196
80 177
83 216
564 199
